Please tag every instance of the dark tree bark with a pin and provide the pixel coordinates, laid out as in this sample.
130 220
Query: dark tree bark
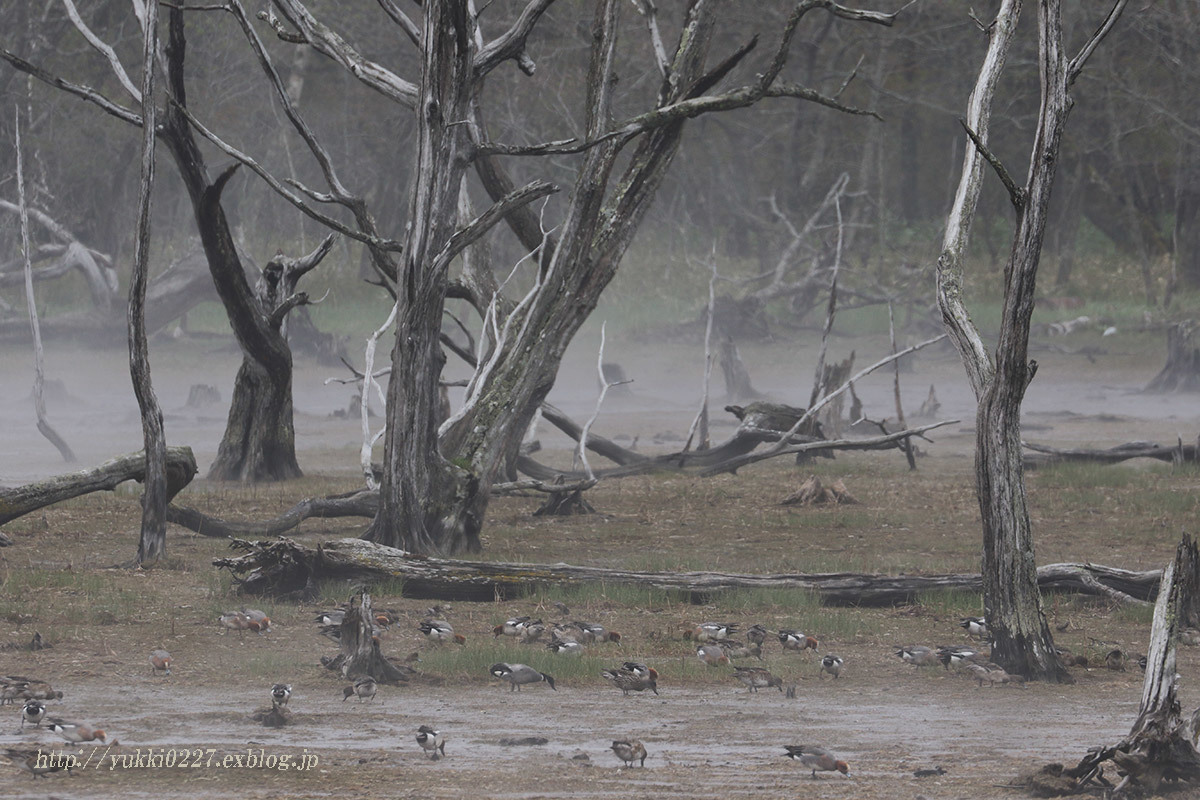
153 540
1181 373
259 440
1022 640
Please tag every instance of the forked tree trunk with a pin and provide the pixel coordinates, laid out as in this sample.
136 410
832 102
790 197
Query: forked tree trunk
1022 639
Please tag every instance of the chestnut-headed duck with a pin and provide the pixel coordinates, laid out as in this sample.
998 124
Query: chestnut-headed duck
591 633
710 631
712 654
75 731
160 661
365 687
919 655
439 631
817 758
513 626
797 641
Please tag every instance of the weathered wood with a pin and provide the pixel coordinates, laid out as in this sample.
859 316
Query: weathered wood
1043 455
1181 373
813 492
363 503
282 565
360 652
18 501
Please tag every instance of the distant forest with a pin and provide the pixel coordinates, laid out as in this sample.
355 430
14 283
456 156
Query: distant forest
1128 182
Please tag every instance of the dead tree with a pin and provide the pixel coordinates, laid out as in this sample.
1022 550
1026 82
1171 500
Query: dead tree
153 541
1181 373
259 444
359 646
21 500
1161 746
1012 604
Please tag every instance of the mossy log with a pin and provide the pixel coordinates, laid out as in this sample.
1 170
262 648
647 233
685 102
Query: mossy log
21 500
284 566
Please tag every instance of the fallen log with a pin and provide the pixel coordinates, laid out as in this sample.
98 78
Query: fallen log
362 503
1043 455
282 566
19 501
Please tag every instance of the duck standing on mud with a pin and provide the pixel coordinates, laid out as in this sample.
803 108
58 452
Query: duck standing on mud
431 741
519 674
816 758
630 750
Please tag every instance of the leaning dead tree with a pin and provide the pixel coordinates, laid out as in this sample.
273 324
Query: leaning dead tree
22 500
1161 746
282 566
1023 643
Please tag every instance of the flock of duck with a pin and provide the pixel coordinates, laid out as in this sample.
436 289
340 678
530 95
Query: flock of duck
713 642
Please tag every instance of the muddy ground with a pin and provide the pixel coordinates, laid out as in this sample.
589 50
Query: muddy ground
706 735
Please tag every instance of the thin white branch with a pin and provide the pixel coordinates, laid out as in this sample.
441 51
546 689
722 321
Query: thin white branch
364 400
110 54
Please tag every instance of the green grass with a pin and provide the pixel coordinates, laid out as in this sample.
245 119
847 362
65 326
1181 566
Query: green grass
951 603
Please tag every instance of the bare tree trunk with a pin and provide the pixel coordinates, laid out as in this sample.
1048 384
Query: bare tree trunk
425 503
1022 639
153 541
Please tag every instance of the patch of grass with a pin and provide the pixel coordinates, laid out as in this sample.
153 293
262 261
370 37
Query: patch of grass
792 601
1068 476
951 603
472 661
583 597
267 665
1136 614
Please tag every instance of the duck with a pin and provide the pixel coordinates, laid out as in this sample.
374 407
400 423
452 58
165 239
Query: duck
630 750
512 626
638 679
929 773
431 741
330 617
281 693
531 632
831 664
757 634
160 661
439 631
566 647
736 649
76 731
957 655
365 687
993 674
519 674
710 631
817 758
33 712
1115 659
591 633
797 641
918 655
976 627
36 763
1070 659
234 621
257 621
712 654
757 678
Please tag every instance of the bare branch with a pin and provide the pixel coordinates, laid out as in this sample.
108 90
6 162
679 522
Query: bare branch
86 92
1016 193
786 89
1076 65
650 12
511 43
471 232
403 20
104 49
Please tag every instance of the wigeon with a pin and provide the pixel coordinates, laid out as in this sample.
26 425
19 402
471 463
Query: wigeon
512 626
757 678
630 750
365 687
709 631
590 633
431 741
711 654
919 655
234 621
957 656
566 647
976 627
281 693
330 617
816 758
256 620
439 631
518 675
993 674
75 731
757 634
797 641
831 664
638 679
33 712
531 632
160 661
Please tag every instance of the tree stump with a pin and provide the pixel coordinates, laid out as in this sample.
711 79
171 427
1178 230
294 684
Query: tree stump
737 377
360 654
1182 370
565 504
813 492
